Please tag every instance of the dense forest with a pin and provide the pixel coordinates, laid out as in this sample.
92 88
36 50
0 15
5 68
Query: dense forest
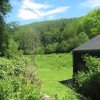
57 36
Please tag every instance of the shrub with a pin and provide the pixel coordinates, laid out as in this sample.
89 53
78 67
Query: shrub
92 63
5 90
87 82
51 48
17 82
12 50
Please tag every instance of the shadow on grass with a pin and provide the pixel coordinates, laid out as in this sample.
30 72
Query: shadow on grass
70 83
67 82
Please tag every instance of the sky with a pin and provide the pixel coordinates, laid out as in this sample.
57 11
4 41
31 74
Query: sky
29 11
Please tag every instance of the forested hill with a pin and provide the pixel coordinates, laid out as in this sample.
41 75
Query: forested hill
58 36
44 25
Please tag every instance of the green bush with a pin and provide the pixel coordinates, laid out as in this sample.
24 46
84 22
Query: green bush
87 82
5 90
12 51
51 48
18 80
81 38
92 63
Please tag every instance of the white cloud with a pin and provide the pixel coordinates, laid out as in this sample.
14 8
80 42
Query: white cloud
31 10
26 14
34 5
91 3
57 10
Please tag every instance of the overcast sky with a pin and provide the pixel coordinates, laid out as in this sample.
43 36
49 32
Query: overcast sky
28 11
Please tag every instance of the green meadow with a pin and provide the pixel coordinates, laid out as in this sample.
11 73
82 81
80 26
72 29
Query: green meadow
53 68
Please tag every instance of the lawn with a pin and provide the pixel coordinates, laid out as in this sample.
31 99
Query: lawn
53 68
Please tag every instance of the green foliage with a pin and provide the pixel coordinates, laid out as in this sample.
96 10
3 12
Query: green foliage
51 48
91 22
53 35
87 82
54 61
81 38
29 42
92 63
61 35
12 51
69 95
62 47
4 36
4 7
18 80
72 95
57 36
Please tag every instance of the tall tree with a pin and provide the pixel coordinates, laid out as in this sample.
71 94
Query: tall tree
91 23
4 9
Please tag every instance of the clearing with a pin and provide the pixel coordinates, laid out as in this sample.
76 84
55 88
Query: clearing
52 69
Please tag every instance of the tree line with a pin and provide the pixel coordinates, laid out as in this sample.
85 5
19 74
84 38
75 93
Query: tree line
58 36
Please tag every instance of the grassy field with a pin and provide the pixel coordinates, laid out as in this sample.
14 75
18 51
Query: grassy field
54 61
52 69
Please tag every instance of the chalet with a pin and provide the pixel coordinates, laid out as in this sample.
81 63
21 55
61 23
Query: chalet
91 47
